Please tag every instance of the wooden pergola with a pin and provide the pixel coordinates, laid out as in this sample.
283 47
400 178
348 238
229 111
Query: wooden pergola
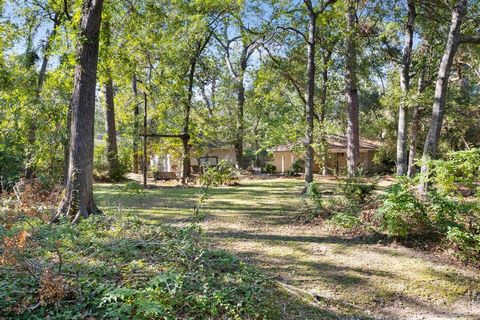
146 135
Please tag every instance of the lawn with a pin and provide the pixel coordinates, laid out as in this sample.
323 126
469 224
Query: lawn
322 273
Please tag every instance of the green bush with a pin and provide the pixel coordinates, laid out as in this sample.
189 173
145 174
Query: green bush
345 219
466 243
297 167
315 195
270 168
221 174
443 211
458 170
101 168
358 188
401 213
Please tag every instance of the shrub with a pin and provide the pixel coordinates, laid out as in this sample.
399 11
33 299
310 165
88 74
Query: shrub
466 243
458 170
358 189
401 213
443 211
101 168
221 174
312 204
118 267
315 195
345 220
270 168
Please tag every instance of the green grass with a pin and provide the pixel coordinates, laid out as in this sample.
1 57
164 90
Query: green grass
334 275
251 259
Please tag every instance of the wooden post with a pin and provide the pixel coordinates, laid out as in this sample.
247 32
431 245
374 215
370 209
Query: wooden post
145 140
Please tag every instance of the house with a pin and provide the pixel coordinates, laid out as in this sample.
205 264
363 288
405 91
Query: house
212 156
284 156
168 163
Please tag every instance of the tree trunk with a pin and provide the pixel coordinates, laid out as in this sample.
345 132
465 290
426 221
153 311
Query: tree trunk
186 124
240 110
413 141
441 86
78 197
323 105
112 149
185 159
136 132
310 105
240 127
415 128
353 138
145 140
405 87
66 146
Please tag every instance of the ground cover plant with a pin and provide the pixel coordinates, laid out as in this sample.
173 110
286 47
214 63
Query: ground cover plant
118 266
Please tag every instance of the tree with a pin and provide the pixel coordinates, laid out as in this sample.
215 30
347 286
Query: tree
238 71
455 38
353 135
310 38
310 105
78 199
404 88
112 149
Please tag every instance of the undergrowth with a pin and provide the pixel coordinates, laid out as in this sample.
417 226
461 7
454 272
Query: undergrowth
116 266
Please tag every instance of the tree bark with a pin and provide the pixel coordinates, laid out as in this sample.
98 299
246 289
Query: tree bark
405 87
66 146
441 86
323 105
136 113
353 135
145 140
415 128
310 96
78 199
112 149
186 123
240 108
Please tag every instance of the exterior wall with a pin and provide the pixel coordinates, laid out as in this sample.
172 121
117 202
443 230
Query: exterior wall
222 154
283 160
336 161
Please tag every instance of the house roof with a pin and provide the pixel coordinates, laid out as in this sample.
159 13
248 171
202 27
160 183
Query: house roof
335 142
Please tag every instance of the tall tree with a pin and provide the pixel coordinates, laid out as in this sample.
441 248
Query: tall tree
455 38
112 149
353 135
198 49
136 132
78 199
247 47
56 18
404 88
310 96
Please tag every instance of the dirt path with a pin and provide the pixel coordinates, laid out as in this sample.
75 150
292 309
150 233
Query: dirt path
334 277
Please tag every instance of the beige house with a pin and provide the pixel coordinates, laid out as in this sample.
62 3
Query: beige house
167 163
213 156
284 156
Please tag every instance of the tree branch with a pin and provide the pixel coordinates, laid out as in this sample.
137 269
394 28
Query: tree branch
469 39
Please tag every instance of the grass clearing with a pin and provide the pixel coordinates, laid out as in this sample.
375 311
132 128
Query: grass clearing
335 275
